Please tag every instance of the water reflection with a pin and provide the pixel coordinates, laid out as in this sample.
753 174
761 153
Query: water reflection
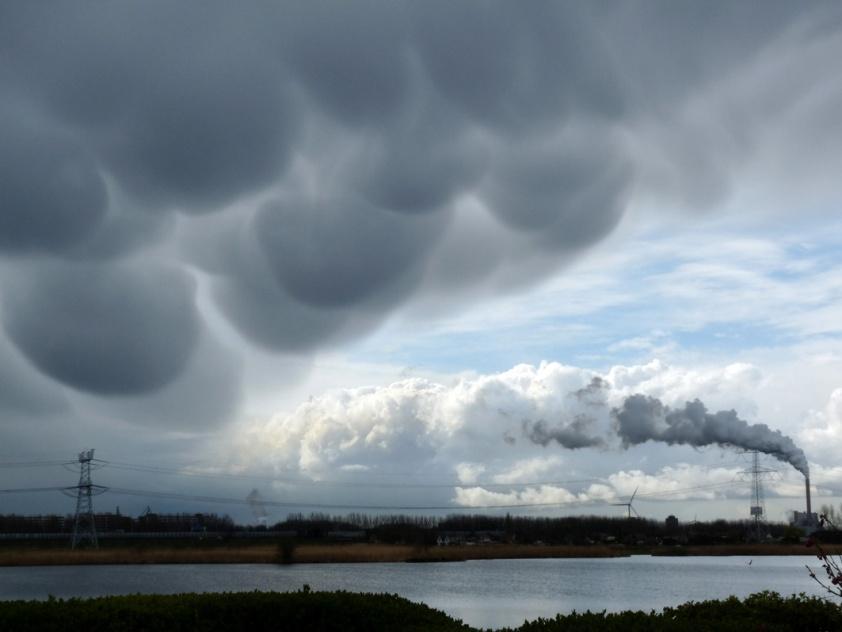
483 593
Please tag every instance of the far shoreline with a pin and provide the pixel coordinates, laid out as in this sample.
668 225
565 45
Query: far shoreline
307 553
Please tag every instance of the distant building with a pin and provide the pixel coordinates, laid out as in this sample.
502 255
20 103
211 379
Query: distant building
671 523
808 522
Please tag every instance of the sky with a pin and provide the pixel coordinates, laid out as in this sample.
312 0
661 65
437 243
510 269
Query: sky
421 256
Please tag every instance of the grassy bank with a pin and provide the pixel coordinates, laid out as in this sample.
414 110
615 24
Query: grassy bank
255 612
274 553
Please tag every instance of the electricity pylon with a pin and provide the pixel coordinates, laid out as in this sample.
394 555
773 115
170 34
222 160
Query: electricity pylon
757 509
84 527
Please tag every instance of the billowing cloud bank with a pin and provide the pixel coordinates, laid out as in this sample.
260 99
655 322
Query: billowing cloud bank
485 434
308 167
823 431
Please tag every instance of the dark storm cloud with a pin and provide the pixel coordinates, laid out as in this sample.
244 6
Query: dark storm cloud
24 392
271 318
109 330
417 166
340 251
283 287
204 395
570 190
334 157
352 57
517 70
51 192
184 102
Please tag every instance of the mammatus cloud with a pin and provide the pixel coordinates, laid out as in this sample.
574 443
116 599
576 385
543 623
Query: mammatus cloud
53 192
640 419
111 330
313 166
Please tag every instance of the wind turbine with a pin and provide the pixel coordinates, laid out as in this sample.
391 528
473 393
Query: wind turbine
628 505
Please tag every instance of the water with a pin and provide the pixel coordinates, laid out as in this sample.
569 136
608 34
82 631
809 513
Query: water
483 593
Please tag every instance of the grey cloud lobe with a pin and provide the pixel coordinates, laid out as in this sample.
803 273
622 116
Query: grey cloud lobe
336 252
51 192
331 161
116 330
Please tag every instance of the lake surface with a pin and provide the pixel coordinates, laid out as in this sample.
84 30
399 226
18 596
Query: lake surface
483 593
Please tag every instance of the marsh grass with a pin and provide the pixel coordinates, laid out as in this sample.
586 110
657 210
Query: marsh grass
280 552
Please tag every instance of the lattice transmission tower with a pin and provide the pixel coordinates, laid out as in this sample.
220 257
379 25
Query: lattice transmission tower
84 527
757 509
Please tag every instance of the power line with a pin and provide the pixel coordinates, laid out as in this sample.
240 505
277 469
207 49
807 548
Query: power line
173 471
24 464
118 465
295 504
73 490
288 504
26 490
513 504
683 490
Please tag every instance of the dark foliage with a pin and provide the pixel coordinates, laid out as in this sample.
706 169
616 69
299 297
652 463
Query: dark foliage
422 530
307 610
228 612
115 522
766 612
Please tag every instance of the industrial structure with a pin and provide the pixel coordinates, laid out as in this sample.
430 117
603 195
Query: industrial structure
84 527
628 505
806 520
757 509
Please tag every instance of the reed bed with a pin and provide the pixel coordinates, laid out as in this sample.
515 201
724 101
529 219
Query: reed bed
360 552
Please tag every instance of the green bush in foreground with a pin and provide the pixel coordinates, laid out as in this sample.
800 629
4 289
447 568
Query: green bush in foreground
766 612
228 612
325 611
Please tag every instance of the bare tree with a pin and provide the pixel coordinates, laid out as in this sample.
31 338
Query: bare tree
831 580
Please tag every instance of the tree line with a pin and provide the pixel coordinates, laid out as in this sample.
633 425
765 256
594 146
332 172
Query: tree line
425 529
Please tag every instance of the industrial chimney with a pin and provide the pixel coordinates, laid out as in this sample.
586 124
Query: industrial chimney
809 508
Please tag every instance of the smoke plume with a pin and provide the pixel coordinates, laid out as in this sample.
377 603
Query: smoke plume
641 418
572 436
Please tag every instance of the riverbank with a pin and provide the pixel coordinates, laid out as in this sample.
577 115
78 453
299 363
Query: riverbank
335 611
287 553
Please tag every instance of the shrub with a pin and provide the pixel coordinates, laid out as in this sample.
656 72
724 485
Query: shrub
335 611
